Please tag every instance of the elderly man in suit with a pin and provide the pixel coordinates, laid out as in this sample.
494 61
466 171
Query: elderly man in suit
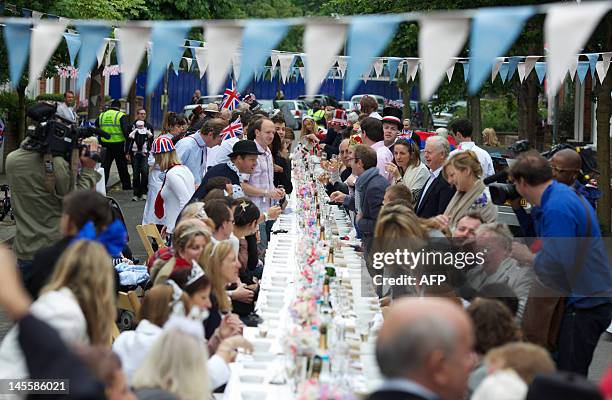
437 192
424 351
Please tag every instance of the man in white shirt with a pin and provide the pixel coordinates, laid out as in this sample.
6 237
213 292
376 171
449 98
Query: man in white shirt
193 149
372 134
65 109
462 129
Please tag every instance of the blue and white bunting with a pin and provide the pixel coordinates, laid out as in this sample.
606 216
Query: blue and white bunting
392 64
368 36
73 41
493 32
466 70
540 68
17 40
322 42
132 46
222 40
258 39
503 72
46 35
92 37
512 64
582 69
593 62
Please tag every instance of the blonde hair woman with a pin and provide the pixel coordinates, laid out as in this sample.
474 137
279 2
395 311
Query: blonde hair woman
176 365
78 301
489 137
221 266
463 170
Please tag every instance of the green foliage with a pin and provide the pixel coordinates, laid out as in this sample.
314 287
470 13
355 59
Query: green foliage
50 97
9 107
101 9
500 114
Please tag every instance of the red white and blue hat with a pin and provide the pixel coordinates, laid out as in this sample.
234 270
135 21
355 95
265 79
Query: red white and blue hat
162 145
339 116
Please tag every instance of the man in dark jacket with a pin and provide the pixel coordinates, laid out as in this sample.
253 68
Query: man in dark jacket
424 351
243 160
437 192
369 193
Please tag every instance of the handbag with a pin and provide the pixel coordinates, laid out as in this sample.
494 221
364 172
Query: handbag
159 200
545 306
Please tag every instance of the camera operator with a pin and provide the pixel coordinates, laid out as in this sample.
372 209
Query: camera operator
37 206
571 264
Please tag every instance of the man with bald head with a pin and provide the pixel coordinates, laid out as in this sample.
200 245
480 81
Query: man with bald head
566 165
424 351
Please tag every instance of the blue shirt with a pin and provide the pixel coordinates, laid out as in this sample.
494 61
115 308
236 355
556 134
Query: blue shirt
561 222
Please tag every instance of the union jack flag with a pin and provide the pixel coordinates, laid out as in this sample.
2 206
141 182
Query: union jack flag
232 130
231 98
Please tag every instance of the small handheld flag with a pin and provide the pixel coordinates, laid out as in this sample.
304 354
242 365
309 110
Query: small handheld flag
231 98
232 130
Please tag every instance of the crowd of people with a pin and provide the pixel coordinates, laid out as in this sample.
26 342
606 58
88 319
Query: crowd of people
214 192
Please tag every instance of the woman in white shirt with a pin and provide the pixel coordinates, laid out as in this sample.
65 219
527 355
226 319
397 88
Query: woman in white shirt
407 167
174 127
177 186
78 302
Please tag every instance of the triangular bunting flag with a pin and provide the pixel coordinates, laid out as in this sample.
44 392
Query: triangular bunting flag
503 72
301 69
285 60
606 61
392 64
529 64
571 70
166 38
223 41
440 39
493 32
449 71
322 41
132 46
582 69
521 71
495 69
378 65
368 36
202 60
342 64
193 44
73 41
512 64
92 37
412 67
102 51
540 68
600 71
274 58
189 61
466 70
592 62
258 38
566 29
46 35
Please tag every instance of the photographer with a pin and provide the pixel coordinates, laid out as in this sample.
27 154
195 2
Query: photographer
37 195
571 265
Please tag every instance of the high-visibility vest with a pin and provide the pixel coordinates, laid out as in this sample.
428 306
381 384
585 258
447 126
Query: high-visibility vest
110 122
316 115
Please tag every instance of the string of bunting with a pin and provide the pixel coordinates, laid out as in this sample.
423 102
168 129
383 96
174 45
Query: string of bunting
243 47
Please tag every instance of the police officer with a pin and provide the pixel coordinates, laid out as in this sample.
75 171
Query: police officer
115 123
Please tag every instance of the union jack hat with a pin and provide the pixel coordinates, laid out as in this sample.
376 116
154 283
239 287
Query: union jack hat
162 145
339 116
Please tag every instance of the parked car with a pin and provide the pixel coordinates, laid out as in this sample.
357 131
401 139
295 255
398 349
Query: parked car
266 105
357 98
203 101
442 118
297 108
347 106
324 99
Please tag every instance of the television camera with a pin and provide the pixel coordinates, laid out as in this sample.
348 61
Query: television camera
57 136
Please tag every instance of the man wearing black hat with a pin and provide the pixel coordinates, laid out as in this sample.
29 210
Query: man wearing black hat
243 160
393 127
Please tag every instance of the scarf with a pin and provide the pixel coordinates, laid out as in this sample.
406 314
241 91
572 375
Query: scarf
461 203
361 184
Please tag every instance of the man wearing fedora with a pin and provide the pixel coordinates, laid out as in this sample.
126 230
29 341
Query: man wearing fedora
242 160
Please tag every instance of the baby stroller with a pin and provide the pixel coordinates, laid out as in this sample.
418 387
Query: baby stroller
128 297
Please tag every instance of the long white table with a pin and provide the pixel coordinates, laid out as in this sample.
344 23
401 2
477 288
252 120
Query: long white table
252 374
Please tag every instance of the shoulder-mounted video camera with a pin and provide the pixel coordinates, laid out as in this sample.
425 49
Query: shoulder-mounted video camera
57 136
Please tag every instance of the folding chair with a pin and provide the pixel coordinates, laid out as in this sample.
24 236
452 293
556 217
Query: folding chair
129 305
150 231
